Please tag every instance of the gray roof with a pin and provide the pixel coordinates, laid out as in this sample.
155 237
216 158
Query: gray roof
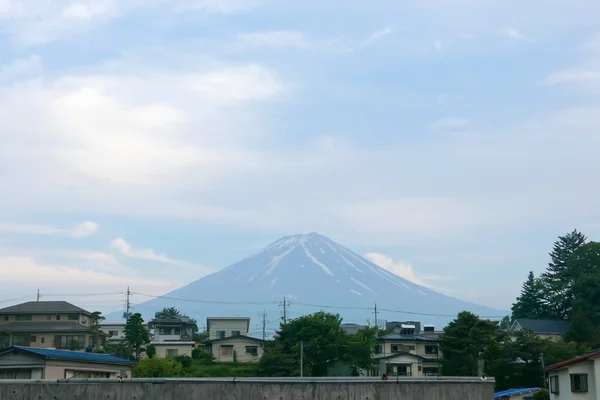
398 324
408 338
43 307
31 327
547 326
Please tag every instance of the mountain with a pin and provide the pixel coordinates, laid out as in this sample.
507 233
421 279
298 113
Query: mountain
312 272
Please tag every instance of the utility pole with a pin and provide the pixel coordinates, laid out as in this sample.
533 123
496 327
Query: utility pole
39 296
301 359
376 317
264 326
127 304
285 304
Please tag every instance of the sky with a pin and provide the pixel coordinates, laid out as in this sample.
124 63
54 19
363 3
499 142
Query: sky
149 143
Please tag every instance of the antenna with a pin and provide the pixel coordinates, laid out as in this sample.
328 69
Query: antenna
128 304
39 296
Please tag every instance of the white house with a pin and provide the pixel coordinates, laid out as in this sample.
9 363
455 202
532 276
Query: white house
577 378
229 340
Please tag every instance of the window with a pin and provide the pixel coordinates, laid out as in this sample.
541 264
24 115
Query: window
42 339
554 387
48 317
162 331
6 317
113 333
431 349
220 334
73 317
58 317
33 339
70 373
377 349
411 348
579 383
397 348
252 350
75 342
235 333
22 317
15 374
429 329
226 350
172 353
176 331
429 371
21 340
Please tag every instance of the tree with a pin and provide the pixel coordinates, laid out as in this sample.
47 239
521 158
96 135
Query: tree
276 362
136 335
557 276
172 312
505 322
95 320
463 343
151 351
74 345
541 395
530 304
358 348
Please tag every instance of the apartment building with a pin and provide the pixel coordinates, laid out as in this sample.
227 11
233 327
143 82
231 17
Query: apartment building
228 340
45 324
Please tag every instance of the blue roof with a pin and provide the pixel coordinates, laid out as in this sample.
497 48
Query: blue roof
514 392
74 355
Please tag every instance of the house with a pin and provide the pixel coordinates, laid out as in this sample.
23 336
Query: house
408 327
401 354
351 329
20 362
516 394
114 331
544 328
45 324
228 340
577 378
172 337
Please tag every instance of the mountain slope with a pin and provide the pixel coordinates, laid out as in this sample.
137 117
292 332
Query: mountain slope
310 270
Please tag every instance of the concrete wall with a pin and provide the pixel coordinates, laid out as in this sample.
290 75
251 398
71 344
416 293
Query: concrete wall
250 389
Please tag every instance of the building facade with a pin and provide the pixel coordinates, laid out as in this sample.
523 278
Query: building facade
228 340
408 354
575 379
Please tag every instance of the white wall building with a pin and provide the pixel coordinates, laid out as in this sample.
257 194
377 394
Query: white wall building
575 379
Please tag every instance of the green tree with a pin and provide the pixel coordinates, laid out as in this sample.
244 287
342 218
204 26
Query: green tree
505 322
357 349
95 327
530 304
151 351
463 343
276 362
172 312
323 339
136 335
74 345
157 368
541 395
557 275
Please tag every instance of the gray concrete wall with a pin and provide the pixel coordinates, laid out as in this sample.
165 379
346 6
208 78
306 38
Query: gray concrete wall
250 389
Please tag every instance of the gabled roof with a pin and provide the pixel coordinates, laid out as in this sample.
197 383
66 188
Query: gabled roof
234 337
65 355
589 355
544 326
514 392
44 307
433 360
32 327
408 338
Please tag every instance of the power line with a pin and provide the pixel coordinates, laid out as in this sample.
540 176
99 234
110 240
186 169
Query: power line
82 294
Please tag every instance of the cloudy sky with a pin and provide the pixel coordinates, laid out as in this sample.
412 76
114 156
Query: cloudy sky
148 143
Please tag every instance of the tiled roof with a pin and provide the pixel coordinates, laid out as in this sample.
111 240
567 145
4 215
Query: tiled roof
408 338
547 326
514 392
31 327
43 307
574 360
174 342
234 337
71 355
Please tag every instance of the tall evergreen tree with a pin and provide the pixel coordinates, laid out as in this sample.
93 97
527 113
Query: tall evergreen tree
531 304
557 277
136 335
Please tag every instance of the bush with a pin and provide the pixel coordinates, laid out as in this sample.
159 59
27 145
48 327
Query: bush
202 357
185 361
157 368
541 395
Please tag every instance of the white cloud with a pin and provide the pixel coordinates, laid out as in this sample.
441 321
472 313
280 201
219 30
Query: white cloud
126 249
514 33
276 39
84 229
21 68
377 36
403 269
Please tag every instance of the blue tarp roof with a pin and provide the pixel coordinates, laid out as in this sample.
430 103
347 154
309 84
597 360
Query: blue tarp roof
514 392
75 355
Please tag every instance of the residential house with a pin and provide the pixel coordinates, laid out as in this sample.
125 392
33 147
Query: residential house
543 328
114 331
20 362
516 394
46 324
351 329
172 337
407 327
228 340
403 354
577 378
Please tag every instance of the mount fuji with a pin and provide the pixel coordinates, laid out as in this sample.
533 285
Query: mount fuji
311 272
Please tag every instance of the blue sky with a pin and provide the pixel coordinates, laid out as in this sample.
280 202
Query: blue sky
151 142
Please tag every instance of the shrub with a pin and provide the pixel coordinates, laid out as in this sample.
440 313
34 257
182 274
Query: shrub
185 361
157 368
541 395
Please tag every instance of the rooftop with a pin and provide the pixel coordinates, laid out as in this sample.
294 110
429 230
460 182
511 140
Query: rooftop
408 338
70 355
514 392
234 337
43 307
547 326
589 355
